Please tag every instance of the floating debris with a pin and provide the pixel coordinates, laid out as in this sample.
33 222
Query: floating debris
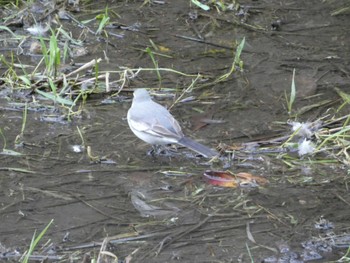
38 29
227 179
305 147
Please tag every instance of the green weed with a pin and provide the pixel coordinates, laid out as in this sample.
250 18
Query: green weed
155 63
34 243
237 63
104 19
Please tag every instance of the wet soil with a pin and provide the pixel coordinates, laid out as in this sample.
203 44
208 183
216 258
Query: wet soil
170 216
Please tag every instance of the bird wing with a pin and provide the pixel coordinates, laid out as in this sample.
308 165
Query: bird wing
154 127
152 118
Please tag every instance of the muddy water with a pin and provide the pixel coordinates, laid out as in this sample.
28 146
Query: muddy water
178 216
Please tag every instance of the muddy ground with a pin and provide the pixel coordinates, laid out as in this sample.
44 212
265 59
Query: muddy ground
152 212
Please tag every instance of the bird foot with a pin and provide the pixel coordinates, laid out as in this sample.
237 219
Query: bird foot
159 150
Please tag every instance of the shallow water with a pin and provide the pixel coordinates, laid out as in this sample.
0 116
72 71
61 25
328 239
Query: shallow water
164 200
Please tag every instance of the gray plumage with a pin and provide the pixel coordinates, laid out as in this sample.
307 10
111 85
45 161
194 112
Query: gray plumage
154 124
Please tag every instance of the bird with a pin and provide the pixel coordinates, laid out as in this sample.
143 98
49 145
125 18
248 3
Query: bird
154 124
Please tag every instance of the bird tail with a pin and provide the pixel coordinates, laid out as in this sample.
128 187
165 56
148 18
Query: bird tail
197 147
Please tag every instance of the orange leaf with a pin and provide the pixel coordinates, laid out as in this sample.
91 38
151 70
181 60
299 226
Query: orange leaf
227 179
223 179
249 178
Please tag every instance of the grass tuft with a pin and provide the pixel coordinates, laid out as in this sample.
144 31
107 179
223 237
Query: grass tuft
34 243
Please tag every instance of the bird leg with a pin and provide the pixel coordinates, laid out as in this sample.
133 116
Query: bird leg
160 150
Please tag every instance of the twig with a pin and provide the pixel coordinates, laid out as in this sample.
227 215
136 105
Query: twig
116 240
168 240
85 66
202 41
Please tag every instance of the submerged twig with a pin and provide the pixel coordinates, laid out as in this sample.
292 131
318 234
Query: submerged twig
171 238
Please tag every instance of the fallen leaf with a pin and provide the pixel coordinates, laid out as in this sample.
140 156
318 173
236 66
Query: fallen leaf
224 179
227 179
247 177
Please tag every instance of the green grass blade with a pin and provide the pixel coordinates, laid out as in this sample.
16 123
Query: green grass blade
55 98
333 136
200 5
239 50
3 139
9 30
155 63
35 241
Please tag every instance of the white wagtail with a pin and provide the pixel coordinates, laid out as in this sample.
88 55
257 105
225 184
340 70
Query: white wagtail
154 124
